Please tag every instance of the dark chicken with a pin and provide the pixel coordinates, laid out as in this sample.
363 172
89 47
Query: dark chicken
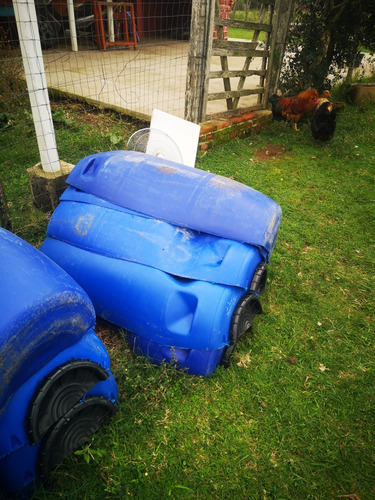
323 124
294 108
276 108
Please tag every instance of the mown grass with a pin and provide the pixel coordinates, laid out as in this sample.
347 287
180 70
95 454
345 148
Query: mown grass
243 33
80 131
294 415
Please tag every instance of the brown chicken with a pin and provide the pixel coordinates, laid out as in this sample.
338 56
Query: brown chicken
294 108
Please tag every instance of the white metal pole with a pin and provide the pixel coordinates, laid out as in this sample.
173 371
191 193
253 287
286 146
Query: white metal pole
111 26
72 26
36 83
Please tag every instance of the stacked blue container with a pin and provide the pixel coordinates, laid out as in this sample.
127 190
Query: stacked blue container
174 255
56 387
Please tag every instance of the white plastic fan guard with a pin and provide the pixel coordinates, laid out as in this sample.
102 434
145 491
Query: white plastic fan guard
154 142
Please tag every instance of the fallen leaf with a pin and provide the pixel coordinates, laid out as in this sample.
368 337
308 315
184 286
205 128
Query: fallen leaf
293 360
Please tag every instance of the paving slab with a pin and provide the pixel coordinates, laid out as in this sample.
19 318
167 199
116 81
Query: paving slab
136 81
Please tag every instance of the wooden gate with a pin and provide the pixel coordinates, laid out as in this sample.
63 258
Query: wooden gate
248 69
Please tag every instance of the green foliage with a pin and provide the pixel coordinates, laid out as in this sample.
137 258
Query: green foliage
242 15
367 79
5 121
88 453
243 33
59 117
13 93
114 138
324 38
342 92
80 131
293 415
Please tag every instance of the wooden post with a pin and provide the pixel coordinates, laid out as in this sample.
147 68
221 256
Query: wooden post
223 59
282 17
202 25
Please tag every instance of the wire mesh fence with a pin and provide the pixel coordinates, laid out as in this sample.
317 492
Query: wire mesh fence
106 66
99 94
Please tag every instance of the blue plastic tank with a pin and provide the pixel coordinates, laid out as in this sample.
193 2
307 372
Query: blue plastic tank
184 196
188 314
87 222
174 255
56 386
39 303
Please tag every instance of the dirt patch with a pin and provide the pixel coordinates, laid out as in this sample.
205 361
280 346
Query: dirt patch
270 152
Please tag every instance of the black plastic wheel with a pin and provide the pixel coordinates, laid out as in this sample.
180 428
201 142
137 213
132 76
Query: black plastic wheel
72 431
258 283
59 392
244 314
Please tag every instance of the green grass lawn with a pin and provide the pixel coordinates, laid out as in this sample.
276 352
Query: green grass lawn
293 417
244 33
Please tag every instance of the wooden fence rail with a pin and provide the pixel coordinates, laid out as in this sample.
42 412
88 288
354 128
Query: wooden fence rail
273 20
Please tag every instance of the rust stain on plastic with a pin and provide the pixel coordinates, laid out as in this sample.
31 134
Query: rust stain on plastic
83 224
167 169
190 173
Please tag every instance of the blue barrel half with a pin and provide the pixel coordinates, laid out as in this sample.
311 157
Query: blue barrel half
183 313
184 196
86 222
39 303
56 386
167 252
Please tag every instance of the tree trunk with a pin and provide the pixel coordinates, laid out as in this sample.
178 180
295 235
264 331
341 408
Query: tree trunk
321 63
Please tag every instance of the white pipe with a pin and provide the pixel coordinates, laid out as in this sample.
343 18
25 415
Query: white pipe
31 49
72 26
111 26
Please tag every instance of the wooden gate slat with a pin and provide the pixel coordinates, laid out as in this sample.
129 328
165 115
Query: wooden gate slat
231 44
239 52
234 93
241 83
235 73
234 23
223 59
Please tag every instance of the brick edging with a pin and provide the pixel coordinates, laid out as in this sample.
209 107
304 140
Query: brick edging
222 130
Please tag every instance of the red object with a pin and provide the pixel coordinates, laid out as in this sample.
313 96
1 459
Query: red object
293 108
225 10
123 14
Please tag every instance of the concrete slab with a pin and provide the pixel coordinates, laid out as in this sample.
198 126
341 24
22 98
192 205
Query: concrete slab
136 81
